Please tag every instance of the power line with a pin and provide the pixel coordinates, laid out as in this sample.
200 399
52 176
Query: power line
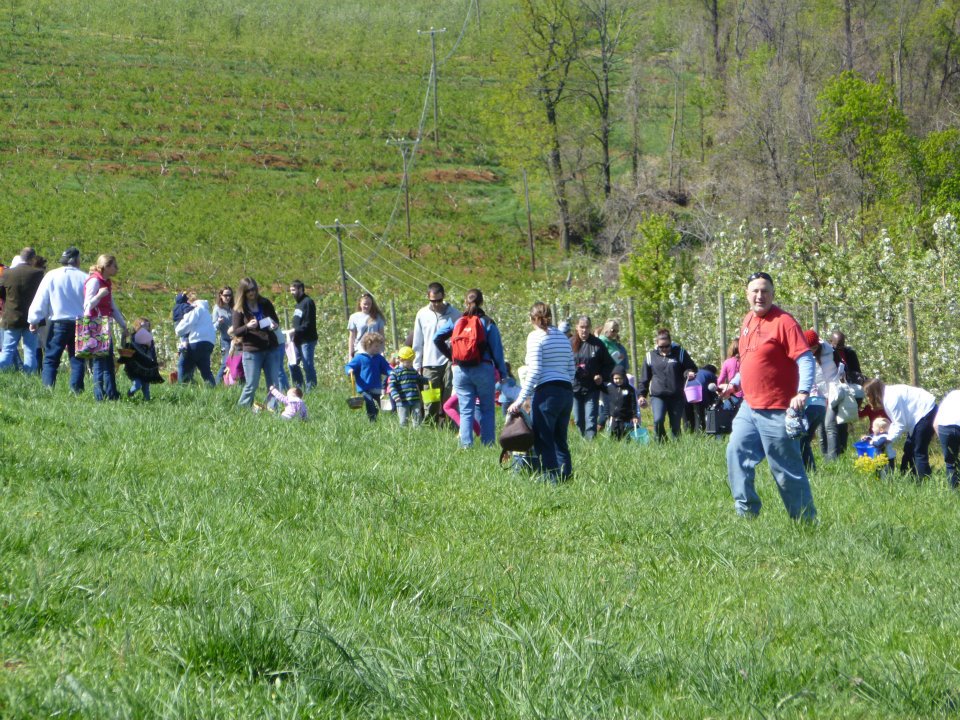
383 240
399 269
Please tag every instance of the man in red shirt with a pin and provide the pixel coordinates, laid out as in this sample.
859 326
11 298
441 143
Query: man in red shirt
776 374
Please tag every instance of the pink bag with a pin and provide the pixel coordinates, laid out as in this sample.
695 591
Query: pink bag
92 337
234 372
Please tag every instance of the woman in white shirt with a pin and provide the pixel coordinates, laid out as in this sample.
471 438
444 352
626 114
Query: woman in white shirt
911 410
549 382
368 318
947 427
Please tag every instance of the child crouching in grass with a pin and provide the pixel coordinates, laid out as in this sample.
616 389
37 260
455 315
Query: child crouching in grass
881 441
369 367
293 404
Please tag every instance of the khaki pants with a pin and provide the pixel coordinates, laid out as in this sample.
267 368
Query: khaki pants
437 375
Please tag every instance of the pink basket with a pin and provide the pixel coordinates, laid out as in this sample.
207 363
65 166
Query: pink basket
693 391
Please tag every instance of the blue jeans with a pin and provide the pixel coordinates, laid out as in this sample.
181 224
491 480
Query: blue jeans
138 384
9 356
224 354
105 378
550 411
279 376
409 414
916 456
371 402
62 337
471 383
950 443
830 435
253 363
307 367
814 415
761 433
671 406
585 412
197 357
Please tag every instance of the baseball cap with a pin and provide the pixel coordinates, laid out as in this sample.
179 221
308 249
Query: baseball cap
69 255
406 353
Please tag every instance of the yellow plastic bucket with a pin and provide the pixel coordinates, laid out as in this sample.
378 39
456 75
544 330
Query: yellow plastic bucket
431 394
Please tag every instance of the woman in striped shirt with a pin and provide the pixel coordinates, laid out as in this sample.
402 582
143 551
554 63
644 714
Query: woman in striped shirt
549 381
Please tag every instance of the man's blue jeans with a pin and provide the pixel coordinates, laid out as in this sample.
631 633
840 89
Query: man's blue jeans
471 383
8 355
62 337
307 366
814 414
550 411
667 406
761 433
197 357
950 442
105 378
586 409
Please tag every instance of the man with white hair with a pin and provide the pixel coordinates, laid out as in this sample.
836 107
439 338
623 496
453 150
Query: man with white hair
59 302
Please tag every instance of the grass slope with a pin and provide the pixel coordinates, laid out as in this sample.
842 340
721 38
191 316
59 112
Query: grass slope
200 142
184 559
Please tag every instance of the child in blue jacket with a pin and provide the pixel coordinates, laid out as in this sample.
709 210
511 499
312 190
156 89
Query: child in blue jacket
369 367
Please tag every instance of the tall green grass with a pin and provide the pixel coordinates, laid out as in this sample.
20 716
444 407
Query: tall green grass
182 558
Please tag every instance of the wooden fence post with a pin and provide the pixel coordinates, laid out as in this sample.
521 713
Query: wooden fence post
393 323
722 324
816 316
631 318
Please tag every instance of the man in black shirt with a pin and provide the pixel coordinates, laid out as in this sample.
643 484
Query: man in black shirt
304 336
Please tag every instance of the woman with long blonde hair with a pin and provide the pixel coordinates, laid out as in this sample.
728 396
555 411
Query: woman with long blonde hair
98 302
367 318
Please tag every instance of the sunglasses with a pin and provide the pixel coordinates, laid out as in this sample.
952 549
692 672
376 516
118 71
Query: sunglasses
760 276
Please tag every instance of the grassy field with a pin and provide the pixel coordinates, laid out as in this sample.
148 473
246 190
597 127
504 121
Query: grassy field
185 559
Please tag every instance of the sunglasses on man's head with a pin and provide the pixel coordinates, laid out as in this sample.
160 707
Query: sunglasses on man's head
760 276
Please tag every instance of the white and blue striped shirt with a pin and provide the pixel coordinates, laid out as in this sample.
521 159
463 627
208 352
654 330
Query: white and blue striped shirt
549 359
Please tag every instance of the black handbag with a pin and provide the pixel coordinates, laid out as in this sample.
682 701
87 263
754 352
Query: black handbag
516 436
719 419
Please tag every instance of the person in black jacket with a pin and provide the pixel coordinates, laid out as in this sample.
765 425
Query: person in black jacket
621 404
304 337
593 367
851 362
664 372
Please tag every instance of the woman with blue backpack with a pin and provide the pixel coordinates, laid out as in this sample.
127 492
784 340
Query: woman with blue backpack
476 353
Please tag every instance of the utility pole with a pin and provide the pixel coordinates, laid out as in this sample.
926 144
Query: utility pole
407 148
433 72
338 227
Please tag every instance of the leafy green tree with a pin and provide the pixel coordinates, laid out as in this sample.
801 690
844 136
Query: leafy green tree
862 129
653 271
